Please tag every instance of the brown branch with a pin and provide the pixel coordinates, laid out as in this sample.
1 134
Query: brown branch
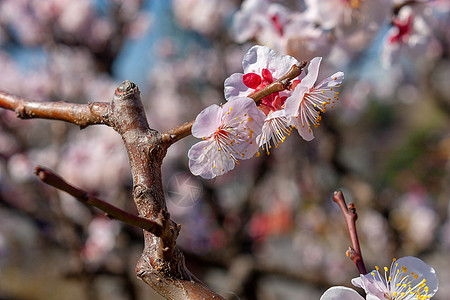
50 178
161 264
79 114
279 85
354 252
177 133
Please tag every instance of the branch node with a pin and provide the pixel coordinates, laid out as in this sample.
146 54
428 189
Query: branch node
349 212
350 252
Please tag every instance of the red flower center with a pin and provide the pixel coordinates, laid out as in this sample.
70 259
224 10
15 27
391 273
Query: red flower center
277 25
404 29
256 82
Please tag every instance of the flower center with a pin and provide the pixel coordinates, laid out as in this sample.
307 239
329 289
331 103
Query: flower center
404 29
354 4
277 25
402 284
274 132
270 103
221 136
257 82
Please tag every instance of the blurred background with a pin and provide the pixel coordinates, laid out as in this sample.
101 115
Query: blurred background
268 229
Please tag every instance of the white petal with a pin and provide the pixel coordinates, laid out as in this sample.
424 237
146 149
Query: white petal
274 130
207 161
238 107
197 162
305 132
235 87
280 65
260 57
292 104
207 121
341 293
332 81
313 71
357 281
256 59
295 112
246 150
372 285
423 270
245 122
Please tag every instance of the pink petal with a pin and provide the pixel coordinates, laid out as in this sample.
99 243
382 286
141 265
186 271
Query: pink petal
332 81
313 71
207 121
247 119
240 106
292 104
305 131
207 161
235 87
373 286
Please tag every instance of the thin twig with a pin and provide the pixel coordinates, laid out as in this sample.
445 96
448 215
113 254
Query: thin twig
113 212
177 133
279 85
79 114
354 252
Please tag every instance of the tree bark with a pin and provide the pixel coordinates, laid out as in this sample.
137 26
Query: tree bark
162 264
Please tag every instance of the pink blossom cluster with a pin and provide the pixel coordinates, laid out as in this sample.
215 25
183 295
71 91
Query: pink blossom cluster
34 22
204 16
234 131
100 242
343 28
61 40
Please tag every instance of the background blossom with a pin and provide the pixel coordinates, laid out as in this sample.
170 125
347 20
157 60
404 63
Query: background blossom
267 230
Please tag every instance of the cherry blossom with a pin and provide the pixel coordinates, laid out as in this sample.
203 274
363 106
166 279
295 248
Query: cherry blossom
276 26
229 134
101 241
348 15
204 16
307 102
409 278
353 24
307 43
263 21
410 33
262 67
